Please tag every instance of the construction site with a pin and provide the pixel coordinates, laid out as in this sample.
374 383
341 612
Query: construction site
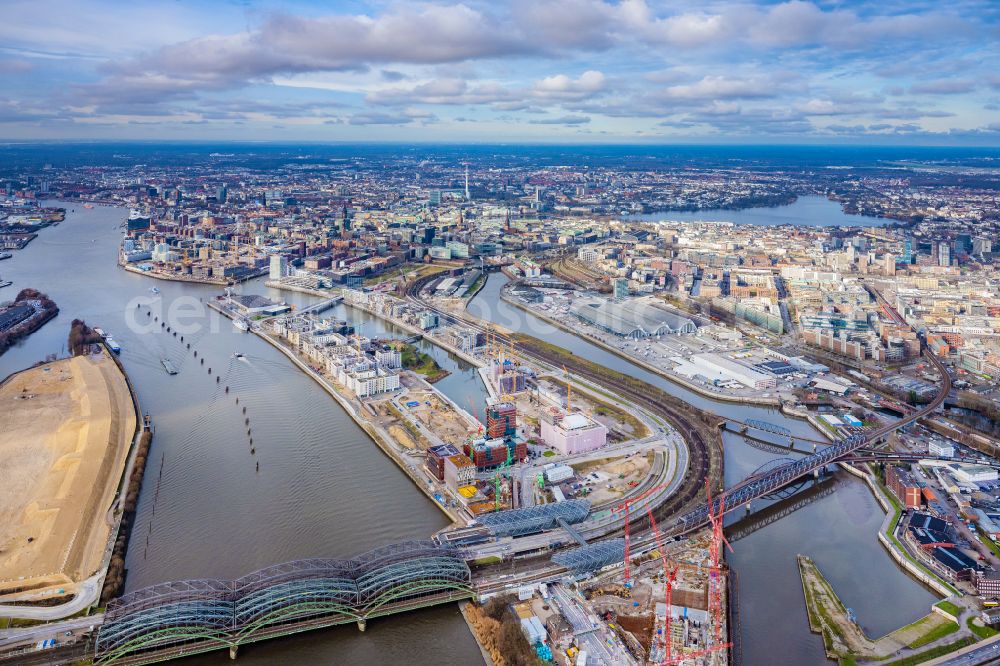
636 609
65 432
631 601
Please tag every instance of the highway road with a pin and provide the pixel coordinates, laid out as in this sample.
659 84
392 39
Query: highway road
11 637
986 653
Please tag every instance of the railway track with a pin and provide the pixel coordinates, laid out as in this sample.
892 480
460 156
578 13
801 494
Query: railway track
705 457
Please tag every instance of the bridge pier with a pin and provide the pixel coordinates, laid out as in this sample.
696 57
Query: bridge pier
791 443
232 651
749 510
814 447
361 624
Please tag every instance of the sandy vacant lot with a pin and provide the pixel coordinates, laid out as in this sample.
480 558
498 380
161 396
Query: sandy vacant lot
65 432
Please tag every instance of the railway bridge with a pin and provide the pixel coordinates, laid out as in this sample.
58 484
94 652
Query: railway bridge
768 482
170 620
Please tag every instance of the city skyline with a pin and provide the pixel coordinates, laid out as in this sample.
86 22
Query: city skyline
584 71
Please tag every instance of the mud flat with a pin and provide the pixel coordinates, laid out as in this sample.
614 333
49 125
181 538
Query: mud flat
65 432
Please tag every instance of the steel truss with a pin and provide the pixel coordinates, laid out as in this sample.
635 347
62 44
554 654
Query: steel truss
379 582
531 519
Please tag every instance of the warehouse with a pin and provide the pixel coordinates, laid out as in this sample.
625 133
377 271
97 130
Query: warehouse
631 319
722 369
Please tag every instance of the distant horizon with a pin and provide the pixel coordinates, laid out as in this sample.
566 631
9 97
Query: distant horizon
559 72
558 144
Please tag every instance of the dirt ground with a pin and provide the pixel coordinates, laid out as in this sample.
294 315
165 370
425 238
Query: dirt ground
65 431
438 416
611 485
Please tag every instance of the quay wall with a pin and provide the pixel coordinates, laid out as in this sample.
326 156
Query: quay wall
381 439
700 390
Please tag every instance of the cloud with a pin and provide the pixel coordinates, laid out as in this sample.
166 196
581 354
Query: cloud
15 66
943 87
721 87
285 44
403 118
562 87
562 120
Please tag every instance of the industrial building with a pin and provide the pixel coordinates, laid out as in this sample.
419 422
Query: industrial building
902 485
572 433
719 369
630 319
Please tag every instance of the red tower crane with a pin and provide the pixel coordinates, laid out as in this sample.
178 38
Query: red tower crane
715 518
670 577
627 505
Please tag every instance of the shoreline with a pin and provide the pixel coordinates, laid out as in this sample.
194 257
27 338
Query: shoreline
369 428
222 282
680 381
88 591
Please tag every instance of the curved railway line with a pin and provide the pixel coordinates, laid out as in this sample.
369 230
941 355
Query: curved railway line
705 460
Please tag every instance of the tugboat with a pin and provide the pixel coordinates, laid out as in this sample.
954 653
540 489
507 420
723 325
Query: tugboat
168 366
154 290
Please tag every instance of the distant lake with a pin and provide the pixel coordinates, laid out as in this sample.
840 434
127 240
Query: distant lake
812 211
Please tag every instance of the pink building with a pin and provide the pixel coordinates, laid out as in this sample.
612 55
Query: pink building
573 433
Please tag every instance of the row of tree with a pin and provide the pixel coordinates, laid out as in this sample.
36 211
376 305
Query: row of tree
114 582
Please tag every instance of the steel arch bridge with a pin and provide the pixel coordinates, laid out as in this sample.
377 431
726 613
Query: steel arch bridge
203 615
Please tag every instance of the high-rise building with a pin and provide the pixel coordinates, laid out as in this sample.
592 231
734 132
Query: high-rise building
982 246
501 420
944 253
621 289
220 194
908 245
963 244
278 267
890 264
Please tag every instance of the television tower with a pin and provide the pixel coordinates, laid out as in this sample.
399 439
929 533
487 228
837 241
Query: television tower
467 182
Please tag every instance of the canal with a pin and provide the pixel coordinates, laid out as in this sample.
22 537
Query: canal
838 530
324 489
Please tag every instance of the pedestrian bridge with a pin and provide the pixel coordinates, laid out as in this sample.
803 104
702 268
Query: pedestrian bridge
169 620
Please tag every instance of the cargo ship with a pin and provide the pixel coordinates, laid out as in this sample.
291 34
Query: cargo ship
112 345
241 324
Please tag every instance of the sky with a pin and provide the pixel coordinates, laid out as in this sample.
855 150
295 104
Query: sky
559 71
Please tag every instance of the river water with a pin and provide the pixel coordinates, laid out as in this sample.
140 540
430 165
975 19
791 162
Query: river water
810 211
324 489
838 530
